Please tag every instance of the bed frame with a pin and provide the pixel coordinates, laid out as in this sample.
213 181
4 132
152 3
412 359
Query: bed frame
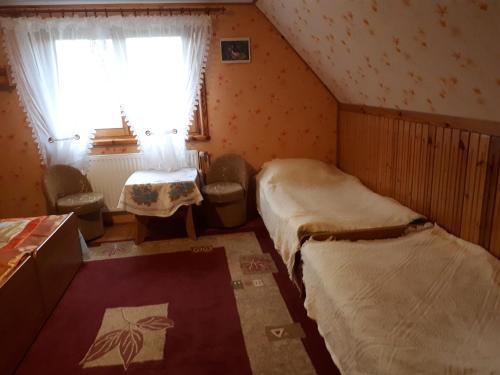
358 234
22 314
33 290
57 261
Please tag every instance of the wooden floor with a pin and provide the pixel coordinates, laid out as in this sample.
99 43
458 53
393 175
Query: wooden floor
116 232
165 228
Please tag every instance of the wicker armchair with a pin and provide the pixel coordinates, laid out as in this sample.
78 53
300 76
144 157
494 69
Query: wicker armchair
67 190
225 192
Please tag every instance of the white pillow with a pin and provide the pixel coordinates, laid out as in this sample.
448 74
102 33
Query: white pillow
296 171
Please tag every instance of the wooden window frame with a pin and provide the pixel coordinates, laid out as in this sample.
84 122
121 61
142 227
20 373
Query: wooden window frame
198 130
115 136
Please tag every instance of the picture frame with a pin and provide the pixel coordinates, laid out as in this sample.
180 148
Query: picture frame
235 50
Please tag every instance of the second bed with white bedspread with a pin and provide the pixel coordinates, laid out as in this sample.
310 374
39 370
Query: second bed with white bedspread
425 303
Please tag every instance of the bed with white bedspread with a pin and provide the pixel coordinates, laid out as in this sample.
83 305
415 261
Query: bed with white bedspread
425 303
300 197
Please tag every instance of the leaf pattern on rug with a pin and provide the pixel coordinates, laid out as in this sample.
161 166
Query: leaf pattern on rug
155 323
129 341
252 264
102 345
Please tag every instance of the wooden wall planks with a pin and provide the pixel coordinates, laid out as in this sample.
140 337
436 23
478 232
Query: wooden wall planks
491 223
451 175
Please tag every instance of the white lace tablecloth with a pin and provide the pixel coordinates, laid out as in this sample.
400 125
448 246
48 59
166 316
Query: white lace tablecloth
159 193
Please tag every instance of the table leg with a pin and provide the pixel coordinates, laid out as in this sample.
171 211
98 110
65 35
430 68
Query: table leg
141 228
190 228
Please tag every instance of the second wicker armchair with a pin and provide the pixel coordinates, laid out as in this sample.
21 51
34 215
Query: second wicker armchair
225 192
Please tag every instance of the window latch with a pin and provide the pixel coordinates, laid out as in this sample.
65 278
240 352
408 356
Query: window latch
76 137
149 132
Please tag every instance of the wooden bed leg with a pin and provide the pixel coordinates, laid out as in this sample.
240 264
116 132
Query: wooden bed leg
190 228
141 228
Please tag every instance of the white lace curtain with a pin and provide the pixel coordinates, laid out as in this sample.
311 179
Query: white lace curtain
150 69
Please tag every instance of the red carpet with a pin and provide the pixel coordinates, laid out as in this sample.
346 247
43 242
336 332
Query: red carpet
200 334
313 342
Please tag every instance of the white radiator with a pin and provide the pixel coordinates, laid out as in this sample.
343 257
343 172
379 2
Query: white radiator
107 173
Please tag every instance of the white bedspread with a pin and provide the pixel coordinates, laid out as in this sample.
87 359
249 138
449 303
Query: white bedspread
426 303
306 196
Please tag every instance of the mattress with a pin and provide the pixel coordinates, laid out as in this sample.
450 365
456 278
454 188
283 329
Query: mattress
300 197
21 237
426 303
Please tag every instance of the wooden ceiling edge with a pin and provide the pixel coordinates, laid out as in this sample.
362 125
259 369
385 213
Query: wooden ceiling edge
136 3
476 125
114 7
164 5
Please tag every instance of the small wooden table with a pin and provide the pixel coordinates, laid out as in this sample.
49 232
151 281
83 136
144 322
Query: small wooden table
161 194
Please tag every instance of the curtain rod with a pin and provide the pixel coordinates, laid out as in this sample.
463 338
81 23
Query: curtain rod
162 11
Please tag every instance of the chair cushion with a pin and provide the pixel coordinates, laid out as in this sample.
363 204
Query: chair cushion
81 203
223 192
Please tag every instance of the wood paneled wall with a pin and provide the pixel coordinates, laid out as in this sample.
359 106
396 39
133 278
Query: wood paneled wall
448 174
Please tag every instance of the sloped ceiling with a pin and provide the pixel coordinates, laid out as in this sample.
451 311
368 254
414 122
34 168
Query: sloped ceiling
419 55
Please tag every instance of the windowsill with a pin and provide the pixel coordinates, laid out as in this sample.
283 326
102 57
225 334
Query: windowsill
197 138
128 144
115 141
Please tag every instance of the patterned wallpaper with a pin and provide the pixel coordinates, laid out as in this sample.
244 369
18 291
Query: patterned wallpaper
20 169
435 56
273 107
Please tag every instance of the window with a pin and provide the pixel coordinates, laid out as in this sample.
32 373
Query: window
87 74
198 130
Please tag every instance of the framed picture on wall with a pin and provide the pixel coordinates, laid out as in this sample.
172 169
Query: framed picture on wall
235 50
